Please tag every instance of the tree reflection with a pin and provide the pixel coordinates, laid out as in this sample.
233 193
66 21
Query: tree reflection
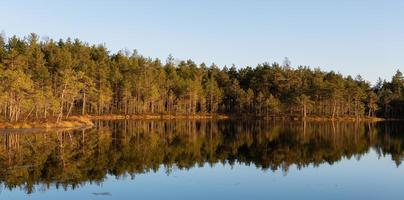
69 159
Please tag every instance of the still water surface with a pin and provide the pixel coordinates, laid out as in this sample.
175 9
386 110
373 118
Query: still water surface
205 160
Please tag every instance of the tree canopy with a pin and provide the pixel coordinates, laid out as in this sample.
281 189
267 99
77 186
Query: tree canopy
41 79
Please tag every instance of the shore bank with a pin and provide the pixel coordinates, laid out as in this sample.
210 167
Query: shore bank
157 116
344 119
70 122
239 117
86 121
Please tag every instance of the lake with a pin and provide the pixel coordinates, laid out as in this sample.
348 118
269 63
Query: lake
225 159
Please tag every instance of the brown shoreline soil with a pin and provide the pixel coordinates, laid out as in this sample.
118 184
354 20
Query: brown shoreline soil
86 121
154 116
345 119
70 122
241 116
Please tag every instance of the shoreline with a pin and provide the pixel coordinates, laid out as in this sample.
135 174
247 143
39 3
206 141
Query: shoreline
158 116
233 116
86 121
68 123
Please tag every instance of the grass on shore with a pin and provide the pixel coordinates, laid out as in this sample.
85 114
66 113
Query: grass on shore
86 121
70 122
159 116
241 116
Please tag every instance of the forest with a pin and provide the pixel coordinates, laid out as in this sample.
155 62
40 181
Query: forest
42 79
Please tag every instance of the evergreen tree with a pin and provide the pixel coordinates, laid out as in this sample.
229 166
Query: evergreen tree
55 79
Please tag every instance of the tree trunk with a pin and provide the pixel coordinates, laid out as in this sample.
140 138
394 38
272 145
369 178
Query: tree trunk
29 114
61 104
334 108
45 112
83 112
70 108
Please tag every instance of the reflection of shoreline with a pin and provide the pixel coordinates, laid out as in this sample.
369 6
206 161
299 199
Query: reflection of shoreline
69 158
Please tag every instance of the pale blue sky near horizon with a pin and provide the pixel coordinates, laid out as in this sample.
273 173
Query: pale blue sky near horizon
354 37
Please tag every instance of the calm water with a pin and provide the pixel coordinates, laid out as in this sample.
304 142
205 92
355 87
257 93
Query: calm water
205 160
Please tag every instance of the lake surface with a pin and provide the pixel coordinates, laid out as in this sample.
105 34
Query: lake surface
205 160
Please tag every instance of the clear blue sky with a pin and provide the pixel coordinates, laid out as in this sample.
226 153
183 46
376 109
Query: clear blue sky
351 37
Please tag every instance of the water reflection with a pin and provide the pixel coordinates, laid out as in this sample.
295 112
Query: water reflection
74 158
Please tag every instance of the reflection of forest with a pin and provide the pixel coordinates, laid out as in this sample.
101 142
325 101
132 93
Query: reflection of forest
132 147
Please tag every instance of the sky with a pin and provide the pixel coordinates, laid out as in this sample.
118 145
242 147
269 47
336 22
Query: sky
353 37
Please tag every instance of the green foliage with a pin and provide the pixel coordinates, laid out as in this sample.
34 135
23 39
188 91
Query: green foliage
44 79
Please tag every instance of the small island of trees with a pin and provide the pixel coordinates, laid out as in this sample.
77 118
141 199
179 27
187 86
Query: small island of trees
57 79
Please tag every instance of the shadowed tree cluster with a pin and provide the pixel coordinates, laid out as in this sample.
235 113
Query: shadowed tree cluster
42 79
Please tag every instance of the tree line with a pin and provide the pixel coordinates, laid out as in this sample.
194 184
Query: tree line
47 78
